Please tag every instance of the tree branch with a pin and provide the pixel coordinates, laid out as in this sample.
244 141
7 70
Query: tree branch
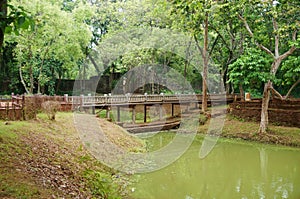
291 50
246 25
197 44
94 64
252 35
213 45
276 93
293 86
275 26
222 38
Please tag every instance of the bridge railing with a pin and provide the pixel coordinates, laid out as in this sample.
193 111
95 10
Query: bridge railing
120 99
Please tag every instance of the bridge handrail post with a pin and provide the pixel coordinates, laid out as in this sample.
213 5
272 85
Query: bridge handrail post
109 97
81 100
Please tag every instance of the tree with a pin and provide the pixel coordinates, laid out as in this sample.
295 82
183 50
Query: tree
193 17
229 43
128 17
3 15
12 19
58 37
273 27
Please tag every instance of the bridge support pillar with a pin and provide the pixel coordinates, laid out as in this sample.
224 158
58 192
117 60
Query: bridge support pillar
145 113
187 107
118 114
108 113
160 112
93 110
133 114
172 109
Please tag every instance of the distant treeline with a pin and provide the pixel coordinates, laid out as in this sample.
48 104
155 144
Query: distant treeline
62 86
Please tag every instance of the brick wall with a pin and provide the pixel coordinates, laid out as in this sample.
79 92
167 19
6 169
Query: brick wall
283 112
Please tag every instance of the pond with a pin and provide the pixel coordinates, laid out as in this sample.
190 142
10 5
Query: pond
234 169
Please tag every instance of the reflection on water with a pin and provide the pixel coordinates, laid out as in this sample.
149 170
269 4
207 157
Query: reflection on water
231 170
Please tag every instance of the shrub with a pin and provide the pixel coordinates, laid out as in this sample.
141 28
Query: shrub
51 108
101 185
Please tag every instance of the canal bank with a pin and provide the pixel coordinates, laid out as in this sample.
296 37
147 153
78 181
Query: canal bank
236 128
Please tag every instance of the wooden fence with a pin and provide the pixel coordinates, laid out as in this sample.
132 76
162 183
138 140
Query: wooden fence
12 109
24 107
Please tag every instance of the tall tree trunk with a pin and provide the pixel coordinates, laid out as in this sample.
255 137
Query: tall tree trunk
3 11
264 118
241 92
30 71
227 84
58 83
41 70
22 80
31 79
205 65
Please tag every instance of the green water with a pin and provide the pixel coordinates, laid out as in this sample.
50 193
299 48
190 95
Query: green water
231 170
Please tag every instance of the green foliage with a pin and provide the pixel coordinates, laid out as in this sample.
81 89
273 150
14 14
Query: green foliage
55 45
50 39
289 73
203 119
13 19
17 18
250 70
101 185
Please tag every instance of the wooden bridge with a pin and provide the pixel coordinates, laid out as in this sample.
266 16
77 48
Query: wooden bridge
13 108
109 102
118 100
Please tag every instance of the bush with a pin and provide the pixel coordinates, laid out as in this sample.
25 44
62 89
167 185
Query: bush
51 108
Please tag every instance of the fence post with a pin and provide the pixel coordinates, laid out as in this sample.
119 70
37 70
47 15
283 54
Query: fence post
23 107
7 110
133 114
12 98
81 102
66 98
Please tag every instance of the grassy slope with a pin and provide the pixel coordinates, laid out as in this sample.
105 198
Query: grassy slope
44 159
237 128
120 137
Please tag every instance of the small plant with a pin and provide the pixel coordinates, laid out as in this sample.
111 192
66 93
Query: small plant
51 108
101 185
202 119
